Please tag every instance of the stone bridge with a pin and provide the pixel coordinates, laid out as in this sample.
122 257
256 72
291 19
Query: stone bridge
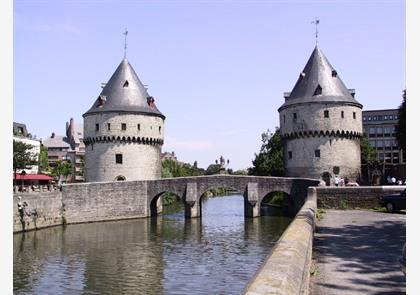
253 188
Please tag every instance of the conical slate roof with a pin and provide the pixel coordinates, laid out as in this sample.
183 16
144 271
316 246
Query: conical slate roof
124 92
319 82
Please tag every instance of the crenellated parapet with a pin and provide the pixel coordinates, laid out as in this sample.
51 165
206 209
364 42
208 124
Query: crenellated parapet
123 139
322 133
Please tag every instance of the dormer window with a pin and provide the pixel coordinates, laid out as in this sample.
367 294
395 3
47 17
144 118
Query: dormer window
126 83
318 90
100 101
334 73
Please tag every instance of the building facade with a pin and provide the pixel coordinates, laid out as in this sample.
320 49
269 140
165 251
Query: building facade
21 134
123 131
68 148
321 124
380 128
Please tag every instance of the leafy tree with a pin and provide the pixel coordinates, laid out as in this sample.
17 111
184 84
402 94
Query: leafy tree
402 123
63 168
22 155
368 155
269 162
172 168
43 159
213 169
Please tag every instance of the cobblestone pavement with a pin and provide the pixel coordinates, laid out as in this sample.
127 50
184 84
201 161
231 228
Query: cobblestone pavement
358 252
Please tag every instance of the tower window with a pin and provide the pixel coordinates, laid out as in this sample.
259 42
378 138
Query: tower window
342 114
284 119
160 129
290 154
97 127
317 153
109 126
123 126
118 158
138 127
326 114
126 83
318 90
294 116
334 73
354 115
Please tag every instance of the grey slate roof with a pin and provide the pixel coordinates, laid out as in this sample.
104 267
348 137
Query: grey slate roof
317 83
124 92
56 142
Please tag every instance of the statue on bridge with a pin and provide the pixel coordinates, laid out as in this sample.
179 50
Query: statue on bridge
221 163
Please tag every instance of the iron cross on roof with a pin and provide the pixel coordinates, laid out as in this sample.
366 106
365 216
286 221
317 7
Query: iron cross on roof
125 42
316 22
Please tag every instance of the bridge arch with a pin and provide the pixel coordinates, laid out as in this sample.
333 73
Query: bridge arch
156 203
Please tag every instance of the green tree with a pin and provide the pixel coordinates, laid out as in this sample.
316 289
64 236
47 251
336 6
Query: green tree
172 168
22 156
43 160
401 131
63 169
368 155
269 162
213 169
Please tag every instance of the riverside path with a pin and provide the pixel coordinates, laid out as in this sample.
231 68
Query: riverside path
357 252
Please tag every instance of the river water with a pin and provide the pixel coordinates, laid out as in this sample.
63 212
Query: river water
217 254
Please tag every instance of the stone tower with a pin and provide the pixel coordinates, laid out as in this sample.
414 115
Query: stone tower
123 131
321 124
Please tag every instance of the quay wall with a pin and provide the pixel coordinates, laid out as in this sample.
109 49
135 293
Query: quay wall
286 270
359 197
48 207
101 201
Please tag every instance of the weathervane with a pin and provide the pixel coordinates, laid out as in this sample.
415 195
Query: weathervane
316 22
125 42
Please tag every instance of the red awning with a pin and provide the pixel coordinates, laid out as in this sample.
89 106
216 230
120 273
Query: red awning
32 177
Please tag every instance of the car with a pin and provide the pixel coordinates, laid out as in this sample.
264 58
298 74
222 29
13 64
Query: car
352 184
394 202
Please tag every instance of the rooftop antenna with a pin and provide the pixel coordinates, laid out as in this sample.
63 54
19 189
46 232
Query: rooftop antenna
125 42
316 22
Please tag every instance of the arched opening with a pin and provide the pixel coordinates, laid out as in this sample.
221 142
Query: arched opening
222 202
167 203
326 177
277 203
120 178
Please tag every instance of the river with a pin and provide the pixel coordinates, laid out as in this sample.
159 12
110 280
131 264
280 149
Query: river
217 254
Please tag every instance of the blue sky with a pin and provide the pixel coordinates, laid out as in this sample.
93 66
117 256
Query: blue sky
217 69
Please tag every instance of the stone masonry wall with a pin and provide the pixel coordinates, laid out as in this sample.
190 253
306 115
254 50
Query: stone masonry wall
91 202
140 161
334 151
310 116
47 205
364 197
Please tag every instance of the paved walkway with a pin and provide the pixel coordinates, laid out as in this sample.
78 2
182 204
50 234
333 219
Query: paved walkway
357 252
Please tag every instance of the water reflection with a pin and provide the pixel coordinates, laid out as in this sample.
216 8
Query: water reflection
217 254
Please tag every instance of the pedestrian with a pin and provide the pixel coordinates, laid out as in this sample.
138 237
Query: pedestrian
336 180
393 180
400 182
21 208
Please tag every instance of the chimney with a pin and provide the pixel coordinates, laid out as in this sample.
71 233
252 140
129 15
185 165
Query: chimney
52 135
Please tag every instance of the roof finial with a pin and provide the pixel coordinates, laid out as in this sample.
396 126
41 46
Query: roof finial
125 42
316 22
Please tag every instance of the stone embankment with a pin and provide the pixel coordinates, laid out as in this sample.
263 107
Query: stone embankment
287 268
